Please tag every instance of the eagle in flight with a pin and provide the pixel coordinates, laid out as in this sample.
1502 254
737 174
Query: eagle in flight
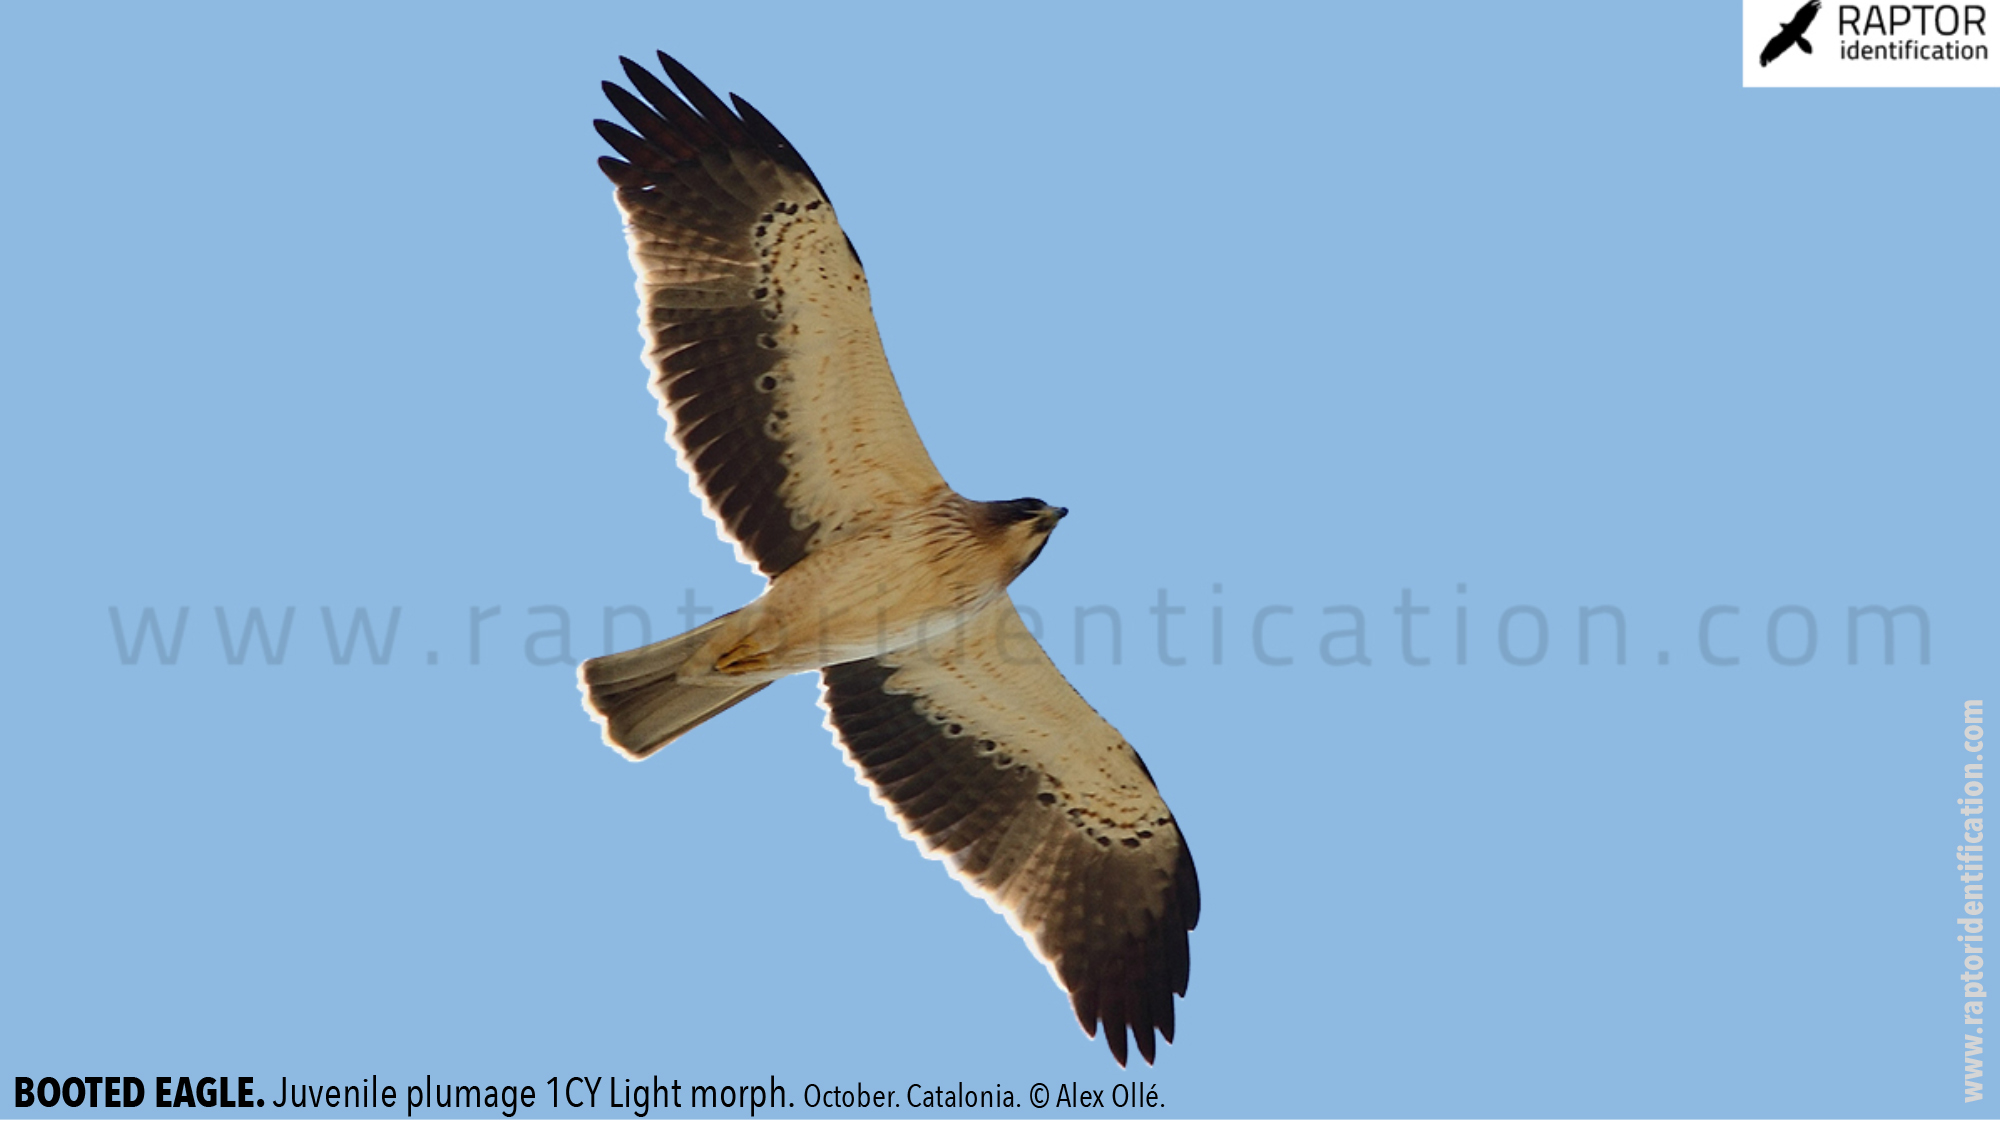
781 409
1790 33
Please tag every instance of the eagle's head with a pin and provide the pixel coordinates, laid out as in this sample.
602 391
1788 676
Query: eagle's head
1020 528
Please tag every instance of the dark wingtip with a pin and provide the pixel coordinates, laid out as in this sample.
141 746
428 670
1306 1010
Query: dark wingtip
705 102
617 171
1083 1001
612 132
631 146
679 122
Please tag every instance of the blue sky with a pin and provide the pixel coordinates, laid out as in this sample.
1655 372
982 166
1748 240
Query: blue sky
1296 308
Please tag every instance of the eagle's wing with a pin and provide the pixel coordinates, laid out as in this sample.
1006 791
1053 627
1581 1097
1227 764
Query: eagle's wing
758 328
985 756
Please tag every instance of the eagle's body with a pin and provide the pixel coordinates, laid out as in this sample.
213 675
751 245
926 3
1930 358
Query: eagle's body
911 576
890 585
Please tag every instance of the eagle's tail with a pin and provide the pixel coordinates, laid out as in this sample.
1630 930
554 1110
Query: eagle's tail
640 700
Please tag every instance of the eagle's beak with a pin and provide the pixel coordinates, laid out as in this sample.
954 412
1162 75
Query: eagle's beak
1061 512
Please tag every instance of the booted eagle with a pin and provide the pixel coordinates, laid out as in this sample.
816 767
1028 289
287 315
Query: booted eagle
782 411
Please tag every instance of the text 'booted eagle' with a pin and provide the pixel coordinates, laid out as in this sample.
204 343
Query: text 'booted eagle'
768 367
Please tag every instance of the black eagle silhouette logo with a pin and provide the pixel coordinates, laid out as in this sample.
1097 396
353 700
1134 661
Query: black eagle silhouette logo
1790 33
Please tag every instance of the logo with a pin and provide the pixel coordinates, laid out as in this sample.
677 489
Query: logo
1942 43
1791 34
